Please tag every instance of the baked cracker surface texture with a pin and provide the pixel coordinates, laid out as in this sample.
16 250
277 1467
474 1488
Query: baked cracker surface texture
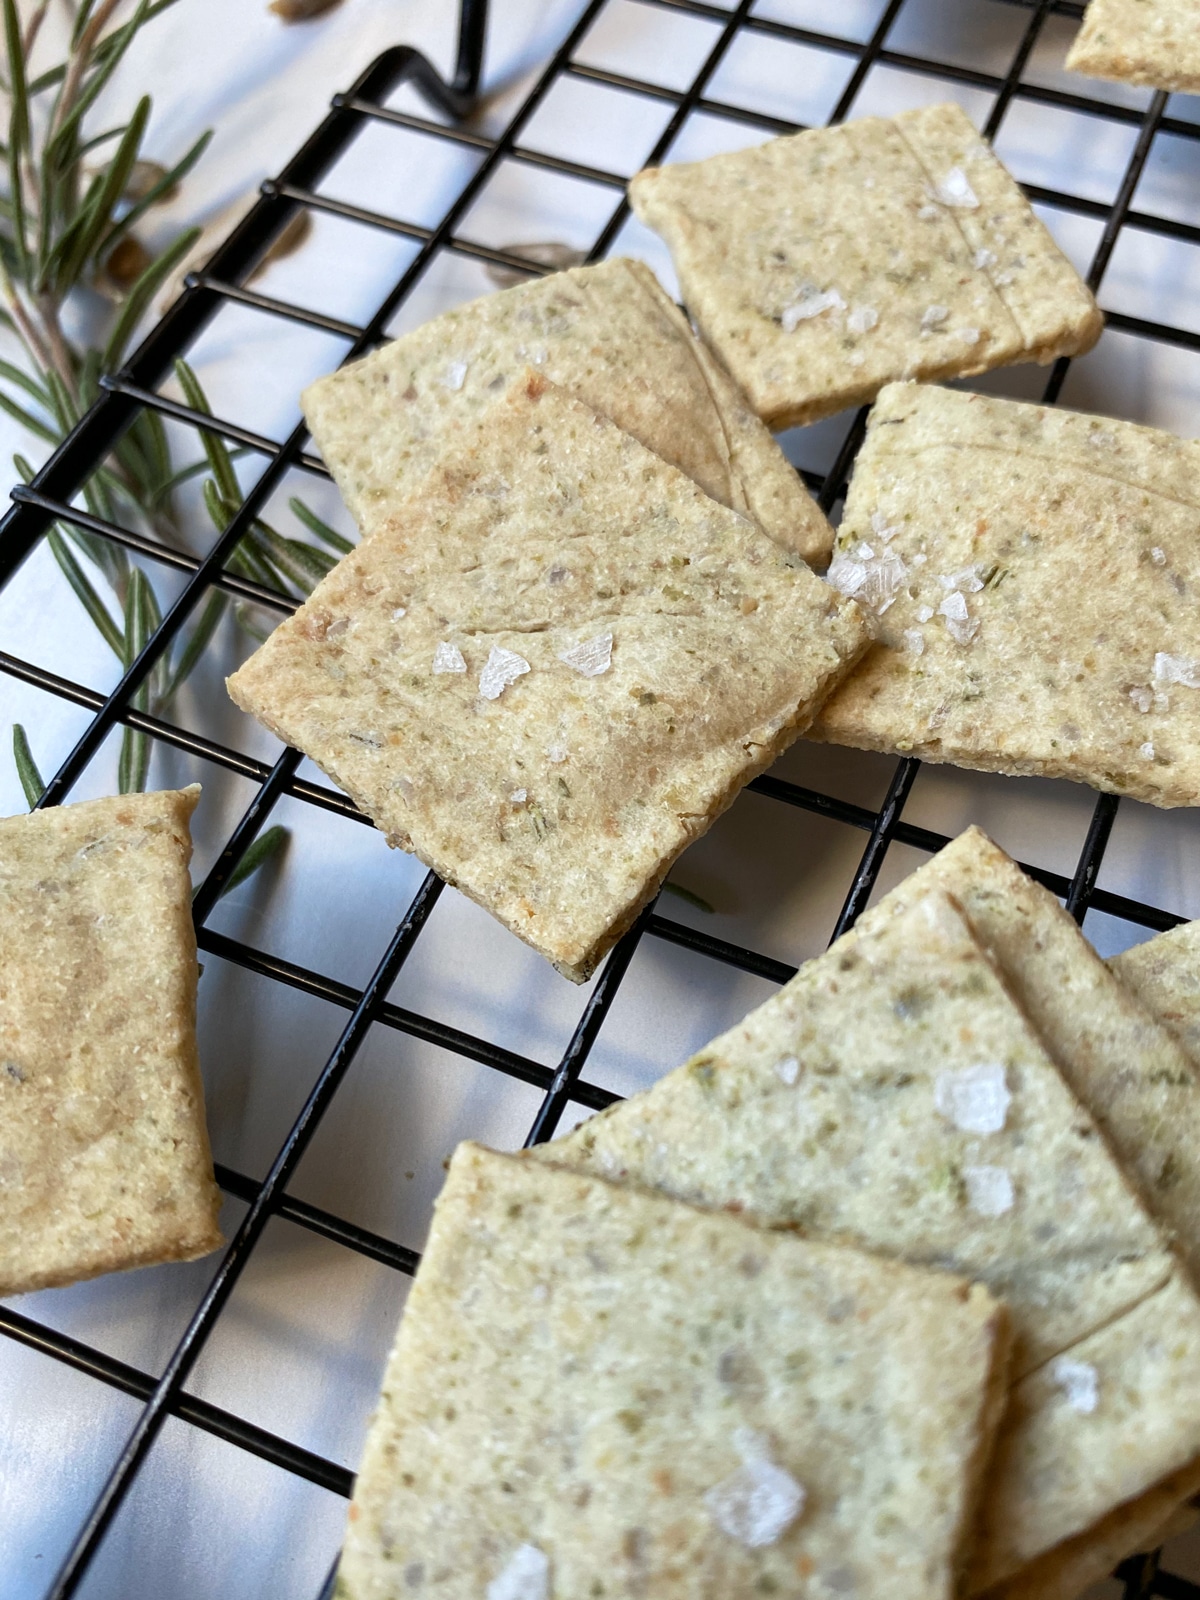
606 333
596 1391
104 1156
825 264
1152 42
1104 1033
1034 574
1164 974
553 669
893 1095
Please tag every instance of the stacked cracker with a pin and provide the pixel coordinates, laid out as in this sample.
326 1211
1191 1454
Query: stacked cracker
959 1085
1153 42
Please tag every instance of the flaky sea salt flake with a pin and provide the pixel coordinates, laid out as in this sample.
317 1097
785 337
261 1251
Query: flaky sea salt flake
525 1576
592 657
1079 1382
914 641
501 668
811 303
933 317
787 1069
1183 670
975 1098
989 1190
881 528
448 658
1146 751
924 613
519 797
862 319
967 335
1142 697
984 259
400 611
454 376
960 624
556 753
1159 557
965 578
955 190
758 1503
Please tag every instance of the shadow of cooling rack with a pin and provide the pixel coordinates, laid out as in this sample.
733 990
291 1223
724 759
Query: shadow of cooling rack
225 280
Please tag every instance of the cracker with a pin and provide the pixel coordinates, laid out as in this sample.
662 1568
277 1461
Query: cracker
1034 574
104 1158
1164 974
587 1374
1109 1044
821 1111
1153 42
1141 1524
606 333
553 670
823 265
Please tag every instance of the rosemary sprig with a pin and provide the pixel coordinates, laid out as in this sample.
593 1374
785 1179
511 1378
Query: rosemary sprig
63 226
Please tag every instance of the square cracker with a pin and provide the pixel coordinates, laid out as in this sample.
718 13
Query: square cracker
1154 42
1164 974
104 1159
1110 1045
580 1366
611 337
1035 573
821 1111
823 265
561 803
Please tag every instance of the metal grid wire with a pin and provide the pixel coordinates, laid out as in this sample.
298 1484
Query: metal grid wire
49 498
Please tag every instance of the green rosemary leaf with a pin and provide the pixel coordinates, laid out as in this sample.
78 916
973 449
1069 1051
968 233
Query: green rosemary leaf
40 429
301 563
323 531
105 61
192 470
197 642
47 80
86 594
215 448
156 191
218 508
25 380
32 783
257 854
142 292
18 133
140 606
88 235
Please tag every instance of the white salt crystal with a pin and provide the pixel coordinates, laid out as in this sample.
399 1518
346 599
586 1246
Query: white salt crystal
756 1504
960 625
984 259
592 657
967 335
989 1190
914 641
846 576
955 190
448 658
862 319
1159 557
924 613
787 1069
1146 751
810 304
454 375
934 316
965 578
881 527
975 1098
874 581
928 213
1177 669
556 752
400 611
526 1576
501 668
518 796
1079 1382
1142 697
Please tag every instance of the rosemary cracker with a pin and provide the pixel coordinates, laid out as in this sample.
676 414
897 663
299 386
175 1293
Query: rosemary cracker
611 337
1110 1044
823 265
894 1096
1034 575
553 669
599 1391
1164 974
104 1158
1153 42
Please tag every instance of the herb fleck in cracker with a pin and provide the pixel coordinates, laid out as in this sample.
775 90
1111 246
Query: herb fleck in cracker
824 265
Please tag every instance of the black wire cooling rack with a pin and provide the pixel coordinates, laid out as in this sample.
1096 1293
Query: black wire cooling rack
49 499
